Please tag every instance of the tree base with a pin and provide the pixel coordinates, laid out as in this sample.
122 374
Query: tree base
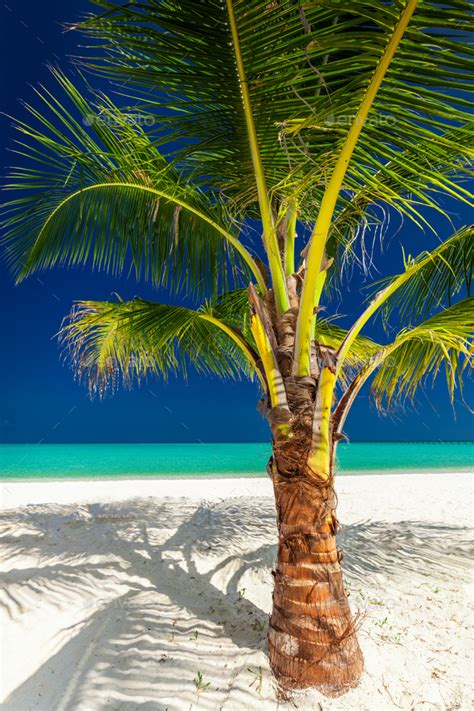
338 671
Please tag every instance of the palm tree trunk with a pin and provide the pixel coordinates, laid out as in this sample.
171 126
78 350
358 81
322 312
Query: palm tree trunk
312 641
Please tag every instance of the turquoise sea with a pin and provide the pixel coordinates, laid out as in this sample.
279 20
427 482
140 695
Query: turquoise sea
58 461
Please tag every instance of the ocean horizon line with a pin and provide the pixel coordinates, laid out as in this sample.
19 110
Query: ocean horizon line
247 441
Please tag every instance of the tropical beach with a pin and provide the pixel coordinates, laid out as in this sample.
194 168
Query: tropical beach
155 594
236 435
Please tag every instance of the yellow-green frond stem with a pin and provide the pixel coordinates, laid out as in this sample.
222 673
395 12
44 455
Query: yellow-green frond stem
323 222
275 385
320 281
238 246
319 460
269 232
379 300
290 241
319 286
345 403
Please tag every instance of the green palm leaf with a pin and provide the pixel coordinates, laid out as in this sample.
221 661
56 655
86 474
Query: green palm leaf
427 280
443 341
97 191
113 343
433 278
308 67
365 208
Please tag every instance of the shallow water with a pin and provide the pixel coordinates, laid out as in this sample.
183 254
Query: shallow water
234 459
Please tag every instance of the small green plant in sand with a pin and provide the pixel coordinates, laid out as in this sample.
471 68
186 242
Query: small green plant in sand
199 682
257 681
376 601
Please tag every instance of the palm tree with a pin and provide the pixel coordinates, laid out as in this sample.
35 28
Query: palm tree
319 118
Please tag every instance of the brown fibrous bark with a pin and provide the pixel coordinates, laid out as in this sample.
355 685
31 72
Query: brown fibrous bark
312 633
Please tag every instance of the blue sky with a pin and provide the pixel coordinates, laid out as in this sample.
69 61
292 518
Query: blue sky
40 401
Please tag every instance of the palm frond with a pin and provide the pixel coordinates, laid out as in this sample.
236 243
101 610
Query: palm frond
362 349
113 343
308 67
426 281
442 341
364 209
97 191
433 278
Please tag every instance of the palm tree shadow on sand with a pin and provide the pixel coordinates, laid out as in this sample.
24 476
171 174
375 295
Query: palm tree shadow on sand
162 590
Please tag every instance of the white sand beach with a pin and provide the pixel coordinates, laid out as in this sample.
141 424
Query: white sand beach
116 594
